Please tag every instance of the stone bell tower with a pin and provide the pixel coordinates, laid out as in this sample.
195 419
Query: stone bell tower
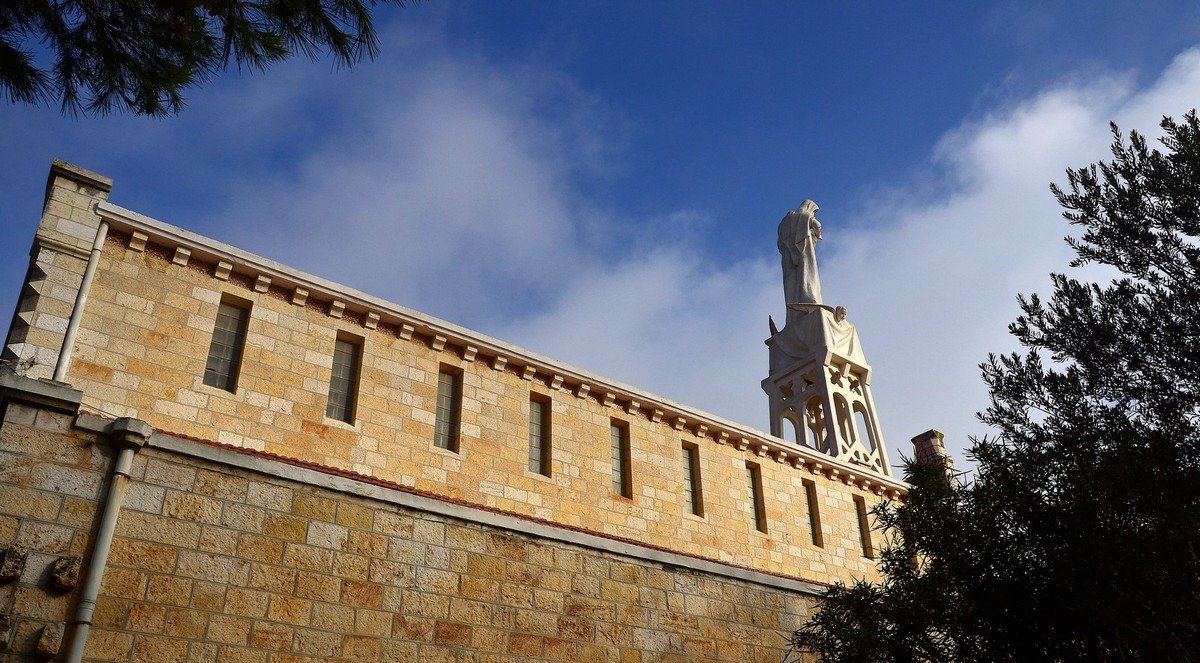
819 383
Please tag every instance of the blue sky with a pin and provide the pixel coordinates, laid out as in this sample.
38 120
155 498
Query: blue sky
601 181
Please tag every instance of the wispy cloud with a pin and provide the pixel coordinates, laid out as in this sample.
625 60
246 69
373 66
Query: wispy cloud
933 278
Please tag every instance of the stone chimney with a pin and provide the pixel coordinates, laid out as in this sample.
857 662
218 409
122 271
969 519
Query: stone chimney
930 447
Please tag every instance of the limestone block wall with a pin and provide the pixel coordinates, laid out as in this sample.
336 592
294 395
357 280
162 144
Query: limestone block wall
50 480
141 352
144 337
223 556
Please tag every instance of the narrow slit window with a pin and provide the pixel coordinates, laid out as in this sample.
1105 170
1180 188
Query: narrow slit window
692 489
814 513
864 527
449 407
228 343
758 509
622 479
539 434
343 382
863 428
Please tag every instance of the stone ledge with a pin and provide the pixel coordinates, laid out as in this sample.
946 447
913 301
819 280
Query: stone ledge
52 395
41 241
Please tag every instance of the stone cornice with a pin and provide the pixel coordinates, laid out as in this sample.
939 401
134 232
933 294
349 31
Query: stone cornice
60 168
443 334
62 247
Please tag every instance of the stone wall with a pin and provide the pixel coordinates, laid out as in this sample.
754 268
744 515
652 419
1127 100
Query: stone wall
143 341
257 529
51 478
142 347
226 555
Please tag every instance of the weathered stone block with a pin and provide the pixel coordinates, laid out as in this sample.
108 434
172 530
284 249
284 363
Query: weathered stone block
274 578
12 563
269 496
260 548
208 596
190 624
108 645
361 648
288 528
246 602
49 642
172 475
523 644
311 506
64 573
142 555
320 644
327 535
153 649
147 618
268 635
26 503
318 586
224 486
229 630
451 634
190 507
289 610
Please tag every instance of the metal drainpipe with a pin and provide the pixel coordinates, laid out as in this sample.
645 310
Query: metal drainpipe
64 356
127 436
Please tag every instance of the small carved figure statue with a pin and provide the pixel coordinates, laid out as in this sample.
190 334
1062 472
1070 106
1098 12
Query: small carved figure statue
799 232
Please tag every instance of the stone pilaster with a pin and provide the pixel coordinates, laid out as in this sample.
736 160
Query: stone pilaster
56 263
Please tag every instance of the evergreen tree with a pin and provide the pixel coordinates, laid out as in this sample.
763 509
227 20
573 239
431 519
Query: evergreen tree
1078 538
140 55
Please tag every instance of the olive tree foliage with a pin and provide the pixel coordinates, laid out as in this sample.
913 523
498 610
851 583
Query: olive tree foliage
1078 537
140 55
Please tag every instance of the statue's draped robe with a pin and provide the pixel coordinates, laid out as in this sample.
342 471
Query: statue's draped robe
797 245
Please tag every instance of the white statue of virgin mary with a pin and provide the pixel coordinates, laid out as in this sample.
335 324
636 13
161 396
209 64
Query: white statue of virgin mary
799 232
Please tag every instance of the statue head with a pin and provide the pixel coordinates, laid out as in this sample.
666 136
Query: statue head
807 209
802 214
839 314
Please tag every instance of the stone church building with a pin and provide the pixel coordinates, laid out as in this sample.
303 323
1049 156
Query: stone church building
210 456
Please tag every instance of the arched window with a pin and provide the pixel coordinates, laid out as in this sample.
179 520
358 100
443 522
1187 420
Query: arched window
814 421
845 425
789 428
863 427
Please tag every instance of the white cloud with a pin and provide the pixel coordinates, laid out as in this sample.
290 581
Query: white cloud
668 321
441 182
933 288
